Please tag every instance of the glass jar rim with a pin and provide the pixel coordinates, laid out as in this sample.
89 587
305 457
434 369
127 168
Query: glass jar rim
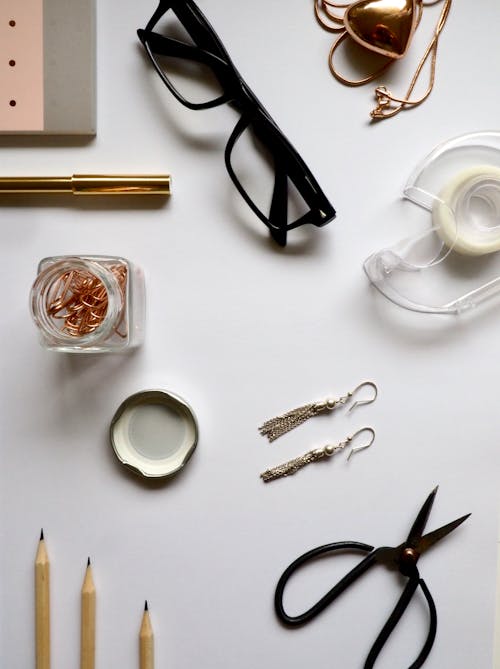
46 278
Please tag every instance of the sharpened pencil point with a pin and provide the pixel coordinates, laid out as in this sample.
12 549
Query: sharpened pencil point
146 605
88 562
41 535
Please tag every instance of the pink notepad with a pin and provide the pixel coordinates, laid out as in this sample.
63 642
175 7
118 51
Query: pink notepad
47 67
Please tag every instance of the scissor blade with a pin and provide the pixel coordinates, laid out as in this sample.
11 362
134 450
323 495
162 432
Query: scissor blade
418 526
430 539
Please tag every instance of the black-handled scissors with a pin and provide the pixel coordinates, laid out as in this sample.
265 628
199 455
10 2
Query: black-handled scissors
402 558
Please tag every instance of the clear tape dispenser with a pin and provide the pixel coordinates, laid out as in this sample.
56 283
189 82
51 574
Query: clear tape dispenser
458 253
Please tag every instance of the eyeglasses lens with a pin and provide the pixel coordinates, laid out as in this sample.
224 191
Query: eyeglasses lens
193 81
254 169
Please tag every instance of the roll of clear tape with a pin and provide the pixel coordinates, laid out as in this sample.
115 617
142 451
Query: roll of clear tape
466 216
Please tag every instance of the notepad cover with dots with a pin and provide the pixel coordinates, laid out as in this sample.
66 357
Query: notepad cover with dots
47 67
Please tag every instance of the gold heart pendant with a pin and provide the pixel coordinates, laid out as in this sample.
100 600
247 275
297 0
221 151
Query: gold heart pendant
383 26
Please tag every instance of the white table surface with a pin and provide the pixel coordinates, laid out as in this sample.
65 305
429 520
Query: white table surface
244 330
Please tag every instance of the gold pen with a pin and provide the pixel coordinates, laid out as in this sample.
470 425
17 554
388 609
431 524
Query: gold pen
88 184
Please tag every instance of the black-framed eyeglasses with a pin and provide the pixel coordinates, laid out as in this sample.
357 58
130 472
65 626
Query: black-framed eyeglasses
289 172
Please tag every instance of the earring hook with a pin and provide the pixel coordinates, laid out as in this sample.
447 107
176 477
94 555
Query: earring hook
359 403
361 448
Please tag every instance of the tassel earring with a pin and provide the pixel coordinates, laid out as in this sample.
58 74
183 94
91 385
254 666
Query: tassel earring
290 467
276 427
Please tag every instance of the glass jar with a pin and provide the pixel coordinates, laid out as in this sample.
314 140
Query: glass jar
88 304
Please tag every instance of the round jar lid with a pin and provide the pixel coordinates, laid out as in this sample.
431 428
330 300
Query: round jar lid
154 432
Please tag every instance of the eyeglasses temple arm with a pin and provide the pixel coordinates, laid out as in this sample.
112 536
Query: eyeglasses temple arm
167 46
278 212
159 12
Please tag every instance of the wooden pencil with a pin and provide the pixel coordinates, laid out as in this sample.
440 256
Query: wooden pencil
87 637
42 606
146 642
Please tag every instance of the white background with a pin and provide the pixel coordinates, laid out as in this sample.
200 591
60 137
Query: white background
244 330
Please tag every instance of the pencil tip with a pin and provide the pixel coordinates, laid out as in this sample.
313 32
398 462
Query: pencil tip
146 605
88 562
41 535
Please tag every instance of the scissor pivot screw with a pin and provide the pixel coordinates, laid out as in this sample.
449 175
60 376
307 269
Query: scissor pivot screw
408 561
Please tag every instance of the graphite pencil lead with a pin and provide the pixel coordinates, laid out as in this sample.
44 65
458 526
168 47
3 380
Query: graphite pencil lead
41 535
88 562
146 605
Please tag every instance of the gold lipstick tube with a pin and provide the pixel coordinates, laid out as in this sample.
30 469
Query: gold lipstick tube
88 184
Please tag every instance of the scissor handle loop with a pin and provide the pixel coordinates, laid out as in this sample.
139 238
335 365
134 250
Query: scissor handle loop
395 617
333 593
414 581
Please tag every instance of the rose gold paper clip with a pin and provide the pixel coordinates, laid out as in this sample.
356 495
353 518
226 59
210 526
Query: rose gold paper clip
88 184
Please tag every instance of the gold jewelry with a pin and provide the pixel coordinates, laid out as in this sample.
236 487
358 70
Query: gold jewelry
385 27
290 467
276 427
